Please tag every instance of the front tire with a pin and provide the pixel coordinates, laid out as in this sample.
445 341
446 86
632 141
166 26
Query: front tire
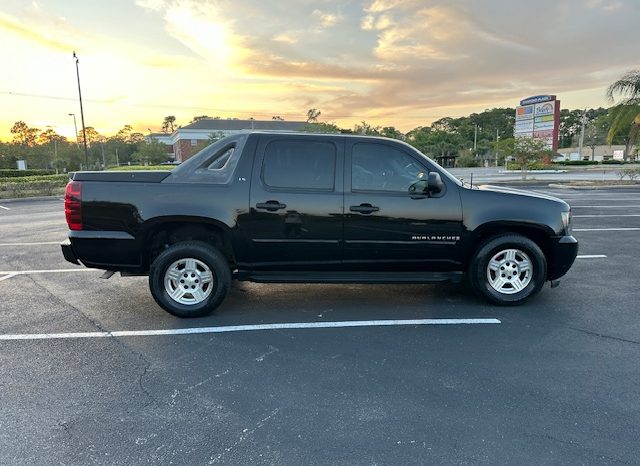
507 270
190 279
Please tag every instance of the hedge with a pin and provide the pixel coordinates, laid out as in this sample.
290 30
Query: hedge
575 162
13 173
63 178
125 168
48 185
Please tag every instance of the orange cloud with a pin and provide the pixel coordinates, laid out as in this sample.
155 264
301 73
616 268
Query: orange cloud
14 27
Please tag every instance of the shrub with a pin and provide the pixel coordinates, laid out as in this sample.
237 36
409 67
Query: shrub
532 166
31 179
142 167
613 162
575 162
11 173
632 173
467 159
46 185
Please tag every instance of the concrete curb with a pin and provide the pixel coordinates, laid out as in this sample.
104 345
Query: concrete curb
607 186
59 197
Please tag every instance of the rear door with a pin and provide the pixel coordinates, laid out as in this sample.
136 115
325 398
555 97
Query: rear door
296 203
385 227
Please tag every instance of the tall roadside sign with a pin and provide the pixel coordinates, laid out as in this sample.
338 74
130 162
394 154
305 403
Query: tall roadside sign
539 117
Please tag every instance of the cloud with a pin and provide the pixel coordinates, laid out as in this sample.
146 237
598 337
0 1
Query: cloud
155 5
327 20
39 36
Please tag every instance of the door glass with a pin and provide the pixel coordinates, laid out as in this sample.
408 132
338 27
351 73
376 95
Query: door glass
377 167
299 165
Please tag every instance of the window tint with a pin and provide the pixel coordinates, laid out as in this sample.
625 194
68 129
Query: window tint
299 165
376 167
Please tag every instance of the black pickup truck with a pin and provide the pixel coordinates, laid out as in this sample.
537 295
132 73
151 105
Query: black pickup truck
309 208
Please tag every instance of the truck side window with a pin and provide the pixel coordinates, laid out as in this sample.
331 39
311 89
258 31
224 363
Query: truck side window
300 165
221 160
377 167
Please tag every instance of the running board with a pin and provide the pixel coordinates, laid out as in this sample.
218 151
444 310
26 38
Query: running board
350 277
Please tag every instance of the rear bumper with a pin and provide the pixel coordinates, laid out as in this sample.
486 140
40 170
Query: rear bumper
67 252
110 250
564 250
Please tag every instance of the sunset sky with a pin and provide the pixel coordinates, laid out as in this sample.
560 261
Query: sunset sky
389 62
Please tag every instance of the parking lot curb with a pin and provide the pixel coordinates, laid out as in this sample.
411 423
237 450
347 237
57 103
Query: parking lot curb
607 186
27 199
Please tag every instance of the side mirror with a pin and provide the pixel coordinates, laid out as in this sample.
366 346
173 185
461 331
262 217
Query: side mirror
434 183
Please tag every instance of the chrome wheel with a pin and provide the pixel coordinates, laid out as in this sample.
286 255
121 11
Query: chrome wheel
509 271
188 281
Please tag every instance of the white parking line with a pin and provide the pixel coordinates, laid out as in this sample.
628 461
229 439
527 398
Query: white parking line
5 208
244 328
28 272
606 229
7 276
603 215
31 244
573 206
591 256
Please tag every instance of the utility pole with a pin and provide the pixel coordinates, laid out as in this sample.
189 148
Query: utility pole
497 139
584 119
84 134
475 139
75 126
117 161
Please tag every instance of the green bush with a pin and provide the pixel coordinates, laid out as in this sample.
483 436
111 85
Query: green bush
35 188
31 179
467 159
127 168
574 162
11 173
613 162
42 185
532 166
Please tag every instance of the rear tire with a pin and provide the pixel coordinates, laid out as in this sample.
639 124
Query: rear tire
508 269
190 279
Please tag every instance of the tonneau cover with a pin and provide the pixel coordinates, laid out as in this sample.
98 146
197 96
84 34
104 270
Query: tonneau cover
139 176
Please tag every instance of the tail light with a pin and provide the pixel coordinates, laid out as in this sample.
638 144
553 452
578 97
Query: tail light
73 205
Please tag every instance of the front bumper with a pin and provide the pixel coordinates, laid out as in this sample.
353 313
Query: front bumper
564 250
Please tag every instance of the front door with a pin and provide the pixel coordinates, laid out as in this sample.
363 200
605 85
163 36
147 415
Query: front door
386 228
295 219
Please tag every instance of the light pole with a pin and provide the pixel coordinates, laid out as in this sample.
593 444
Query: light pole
84 134
75 126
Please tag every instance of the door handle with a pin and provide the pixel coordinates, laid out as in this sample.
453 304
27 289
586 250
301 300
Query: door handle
271 206
364 208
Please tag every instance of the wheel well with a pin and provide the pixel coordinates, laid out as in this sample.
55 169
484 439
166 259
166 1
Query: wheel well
536 235
163 235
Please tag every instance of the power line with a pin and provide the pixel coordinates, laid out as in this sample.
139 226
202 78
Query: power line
189 107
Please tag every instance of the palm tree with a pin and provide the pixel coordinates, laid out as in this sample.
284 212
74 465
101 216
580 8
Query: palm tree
312 115
168 124
627 112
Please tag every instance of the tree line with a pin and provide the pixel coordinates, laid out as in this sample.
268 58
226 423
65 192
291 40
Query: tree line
48 149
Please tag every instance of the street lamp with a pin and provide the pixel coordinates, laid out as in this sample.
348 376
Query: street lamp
84 134
75 126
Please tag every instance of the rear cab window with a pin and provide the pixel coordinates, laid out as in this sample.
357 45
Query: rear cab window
215 164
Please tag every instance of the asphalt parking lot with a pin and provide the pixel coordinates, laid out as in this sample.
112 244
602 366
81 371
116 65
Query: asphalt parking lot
552 382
